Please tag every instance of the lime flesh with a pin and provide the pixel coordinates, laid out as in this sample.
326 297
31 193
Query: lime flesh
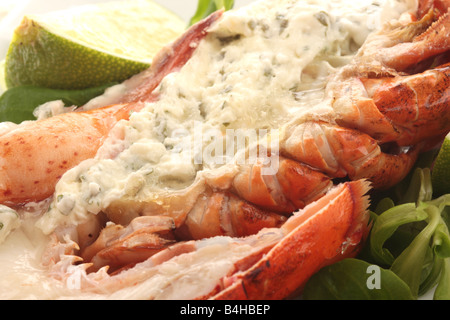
90 45
441 170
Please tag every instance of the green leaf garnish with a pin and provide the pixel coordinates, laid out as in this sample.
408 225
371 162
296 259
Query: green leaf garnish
206 7
409 241
17 104
353 279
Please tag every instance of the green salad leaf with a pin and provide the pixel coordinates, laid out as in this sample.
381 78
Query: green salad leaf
443 289
414 262
409 242
412 238
386 225
353 279
206 7
17 104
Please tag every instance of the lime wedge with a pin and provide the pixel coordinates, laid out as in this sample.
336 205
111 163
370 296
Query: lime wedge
89 45
441 170
2 76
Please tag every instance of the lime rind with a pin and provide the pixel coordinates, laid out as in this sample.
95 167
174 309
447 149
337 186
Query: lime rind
74 66
114 33
441 169
80 48
3 86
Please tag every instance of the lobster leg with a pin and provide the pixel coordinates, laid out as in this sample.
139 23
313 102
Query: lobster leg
119 246
404 109
440 6
417 105
434 41
223 213
341 152
394 105
400 47
288 188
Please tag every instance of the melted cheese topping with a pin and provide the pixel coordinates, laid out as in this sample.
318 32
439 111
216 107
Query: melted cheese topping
259 67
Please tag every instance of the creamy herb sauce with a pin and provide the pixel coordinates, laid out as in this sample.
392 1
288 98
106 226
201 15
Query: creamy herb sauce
259 67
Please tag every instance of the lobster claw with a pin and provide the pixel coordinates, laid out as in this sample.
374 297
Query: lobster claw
328 230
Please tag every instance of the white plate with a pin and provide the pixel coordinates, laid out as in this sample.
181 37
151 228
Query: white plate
12 11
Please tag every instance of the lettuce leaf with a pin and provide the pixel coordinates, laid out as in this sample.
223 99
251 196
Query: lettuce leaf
354 279
409 242
206 7
17 104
